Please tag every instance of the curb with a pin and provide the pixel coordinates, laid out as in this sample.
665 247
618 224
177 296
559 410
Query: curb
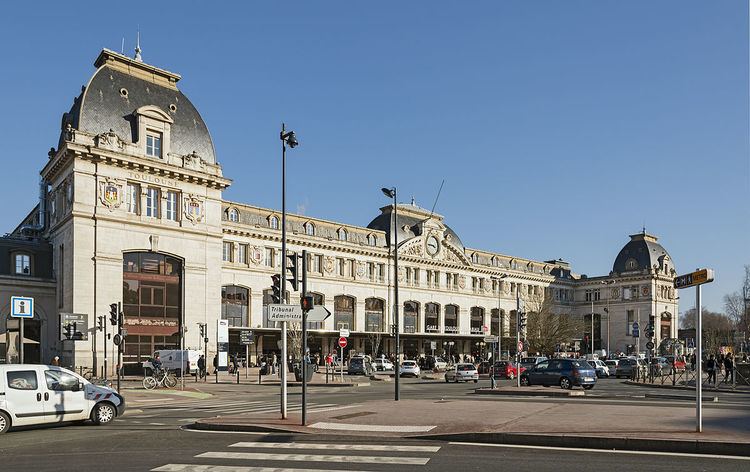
531 393
239 428
685 387
668 396
680 446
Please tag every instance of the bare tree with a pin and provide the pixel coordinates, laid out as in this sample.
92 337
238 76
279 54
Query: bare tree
545 329
375 339
737 304
717 328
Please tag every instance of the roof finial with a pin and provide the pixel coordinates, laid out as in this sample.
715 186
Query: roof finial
138 47
413 203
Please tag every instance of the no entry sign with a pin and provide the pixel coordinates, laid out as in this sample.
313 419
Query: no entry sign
342 342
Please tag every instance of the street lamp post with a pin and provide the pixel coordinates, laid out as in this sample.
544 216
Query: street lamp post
391 193
499 316
287 138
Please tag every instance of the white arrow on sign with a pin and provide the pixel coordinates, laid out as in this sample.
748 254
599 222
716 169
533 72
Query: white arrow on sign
318 313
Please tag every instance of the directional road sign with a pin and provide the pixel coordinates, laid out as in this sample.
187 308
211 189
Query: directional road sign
490 339
284 313
318 313
635 330
342 342
702 276
344 333
22 307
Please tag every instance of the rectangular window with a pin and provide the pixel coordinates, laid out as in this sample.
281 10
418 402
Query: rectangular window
132 197
23 264
242 253
416 277
429 278
172 205
269 257
152 202
350 267
597 295
341 267
631 319
381 272
588 295
227 253
153 144
449 281
371 271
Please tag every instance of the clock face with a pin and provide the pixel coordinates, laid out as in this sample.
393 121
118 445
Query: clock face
432 245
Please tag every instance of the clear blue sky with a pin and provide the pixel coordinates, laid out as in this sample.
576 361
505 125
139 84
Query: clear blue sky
559 127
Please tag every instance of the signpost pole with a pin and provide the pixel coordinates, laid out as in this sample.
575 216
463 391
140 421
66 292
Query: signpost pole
20 330
283 367
342 365
698 362
105 346
304 340
119 346
518 335
247 360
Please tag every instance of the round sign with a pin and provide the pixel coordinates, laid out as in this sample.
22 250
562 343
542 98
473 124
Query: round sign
342 342
117 339
649 345
520 346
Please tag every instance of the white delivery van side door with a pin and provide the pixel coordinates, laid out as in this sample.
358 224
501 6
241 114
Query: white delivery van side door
65 399
24 395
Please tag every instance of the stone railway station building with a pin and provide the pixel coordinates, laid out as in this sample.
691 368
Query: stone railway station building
131 211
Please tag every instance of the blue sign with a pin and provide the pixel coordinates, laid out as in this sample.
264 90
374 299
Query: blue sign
22 307
636 330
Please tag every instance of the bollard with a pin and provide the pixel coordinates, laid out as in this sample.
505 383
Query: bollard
238 375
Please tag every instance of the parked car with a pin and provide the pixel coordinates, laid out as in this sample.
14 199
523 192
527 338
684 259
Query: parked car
678 361
566 373
439 363
39 394
360 365
506 370
382 363
601 368
484 367
529 362
660 366
627 366
409 368
612 365
462 372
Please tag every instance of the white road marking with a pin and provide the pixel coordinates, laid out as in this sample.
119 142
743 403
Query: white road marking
607 451
337 447
372 427
230 468
157 424
257 456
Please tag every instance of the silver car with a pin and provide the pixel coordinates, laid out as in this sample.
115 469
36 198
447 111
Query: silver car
462 372
409 368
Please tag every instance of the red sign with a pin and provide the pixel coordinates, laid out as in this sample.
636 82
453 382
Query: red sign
520 346
342 342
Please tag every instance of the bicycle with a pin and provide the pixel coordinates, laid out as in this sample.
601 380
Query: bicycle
161 378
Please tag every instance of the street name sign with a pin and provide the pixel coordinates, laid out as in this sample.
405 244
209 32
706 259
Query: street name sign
490 339
284 313
344 333
22 307
702 276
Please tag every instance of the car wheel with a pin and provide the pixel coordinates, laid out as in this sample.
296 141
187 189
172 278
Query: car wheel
103 413
588 387
565 383
4 423
476 381
525 381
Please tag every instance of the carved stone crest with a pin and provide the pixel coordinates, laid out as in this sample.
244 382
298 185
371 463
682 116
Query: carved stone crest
615 292
328 264
361 269
487 285
645 290
110 193
193 161
461 282
109 140
256 255
194 210
415 249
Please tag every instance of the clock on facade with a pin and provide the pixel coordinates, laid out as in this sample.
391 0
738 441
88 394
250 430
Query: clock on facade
432 245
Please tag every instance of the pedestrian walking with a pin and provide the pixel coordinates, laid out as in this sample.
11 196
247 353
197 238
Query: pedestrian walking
711 370
274 360
55 361
728 368
202 366
216 364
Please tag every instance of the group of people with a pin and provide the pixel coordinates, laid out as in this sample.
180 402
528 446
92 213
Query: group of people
725 363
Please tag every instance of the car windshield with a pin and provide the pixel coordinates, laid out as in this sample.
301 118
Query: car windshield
465 367
581 364
409 363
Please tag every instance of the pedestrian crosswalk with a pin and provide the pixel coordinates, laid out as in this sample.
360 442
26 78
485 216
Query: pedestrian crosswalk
226 408
255 456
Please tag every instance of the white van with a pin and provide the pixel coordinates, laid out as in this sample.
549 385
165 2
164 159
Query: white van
44 394
176 361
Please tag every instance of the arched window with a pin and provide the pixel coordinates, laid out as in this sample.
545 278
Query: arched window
372 240
273 222
411 317
309 229
342 234
235 305
451 319
23 264
477 320
374 309
475 258
631 264
234 215
431 318
343 312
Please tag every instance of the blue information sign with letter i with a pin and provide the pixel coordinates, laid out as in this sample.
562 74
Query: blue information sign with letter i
22 307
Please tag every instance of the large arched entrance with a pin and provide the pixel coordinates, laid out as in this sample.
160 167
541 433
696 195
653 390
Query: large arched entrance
152 306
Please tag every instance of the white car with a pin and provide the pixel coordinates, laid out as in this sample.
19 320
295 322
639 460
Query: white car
462 372
382 364
409 368
39 394
602 370
440 364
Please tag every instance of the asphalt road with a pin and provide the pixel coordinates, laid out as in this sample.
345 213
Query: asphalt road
150 436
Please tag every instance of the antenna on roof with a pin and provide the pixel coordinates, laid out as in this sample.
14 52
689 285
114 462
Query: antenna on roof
138 47
436 198
122 46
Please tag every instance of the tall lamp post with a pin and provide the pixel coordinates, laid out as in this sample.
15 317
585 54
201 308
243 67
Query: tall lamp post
606 310
391 193
498 279
288 138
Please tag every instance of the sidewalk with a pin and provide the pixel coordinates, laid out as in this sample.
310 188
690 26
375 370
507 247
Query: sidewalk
592 425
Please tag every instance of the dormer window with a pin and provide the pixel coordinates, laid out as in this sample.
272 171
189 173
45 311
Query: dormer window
273 222
23 264
372 240
631 264
233 215
309 229
153 144
342 234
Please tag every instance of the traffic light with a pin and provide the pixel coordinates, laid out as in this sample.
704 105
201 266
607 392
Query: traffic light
650 331
306 303
203 330
276 288
100 323
292 262
113 315
521 321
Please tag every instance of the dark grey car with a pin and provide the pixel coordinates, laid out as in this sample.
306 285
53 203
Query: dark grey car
563 372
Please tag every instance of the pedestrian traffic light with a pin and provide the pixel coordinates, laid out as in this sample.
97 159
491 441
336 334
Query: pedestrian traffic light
113 315
292 270
306 303
276 289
